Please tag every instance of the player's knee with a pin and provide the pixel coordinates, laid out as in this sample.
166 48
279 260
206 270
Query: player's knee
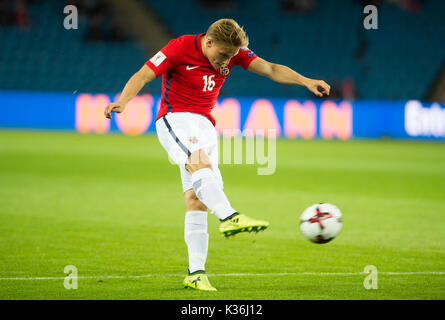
195 167
198 160
192 203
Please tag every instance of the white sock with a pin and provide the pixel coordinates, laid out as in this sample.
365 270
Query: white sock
209 190
197 239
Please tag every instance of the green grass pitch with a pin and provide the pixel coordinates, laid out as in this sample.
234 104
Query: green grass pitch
112 206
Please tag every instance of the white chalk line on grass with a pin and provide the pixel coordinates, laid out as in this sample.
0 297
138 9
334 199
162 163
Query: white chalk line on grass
234 275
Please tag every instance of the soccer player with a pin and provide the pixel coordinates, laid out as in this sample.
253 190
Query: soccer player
194 67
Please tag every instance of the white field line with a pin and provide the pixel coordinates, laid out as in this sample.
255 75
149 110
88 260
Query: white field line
234 275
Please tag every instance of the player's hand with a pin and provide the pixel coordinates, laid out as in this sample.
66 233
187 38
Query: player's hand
318 87
117 107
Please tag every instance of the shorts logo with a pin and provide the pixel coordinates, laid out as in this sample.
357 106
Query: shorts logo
158 58
224 70
193 140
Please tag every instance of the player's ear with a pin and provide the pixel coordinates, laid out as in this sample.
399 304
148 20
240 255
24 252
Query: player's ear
209 42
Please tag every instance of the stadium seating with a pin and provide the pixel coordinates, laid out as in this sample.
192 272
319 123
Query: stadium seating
46 56
399 61
401 58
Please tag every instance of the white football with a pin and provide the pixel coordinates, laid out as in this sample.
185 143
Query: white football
321 222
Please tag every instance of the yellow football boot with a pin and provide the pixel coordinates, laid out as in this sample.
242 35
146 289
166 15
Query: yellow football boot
241 223
198 281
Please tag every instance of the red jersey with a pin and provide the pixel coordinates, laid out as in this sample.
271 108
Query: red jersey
189 82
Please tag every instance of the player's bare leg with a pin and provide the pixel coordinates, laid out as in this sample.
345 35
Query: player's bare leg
208 189
192 203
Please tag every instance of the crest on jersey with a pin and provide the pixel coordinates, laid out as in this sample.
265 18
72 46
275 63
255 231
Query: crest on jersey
224 70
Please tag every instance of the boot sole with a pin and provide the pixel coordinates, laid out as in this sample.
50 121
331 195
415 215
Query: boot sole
256 229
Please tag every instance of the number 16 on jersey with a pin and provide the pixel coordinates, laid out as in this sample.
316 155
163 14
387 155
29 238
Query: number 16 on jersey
209 83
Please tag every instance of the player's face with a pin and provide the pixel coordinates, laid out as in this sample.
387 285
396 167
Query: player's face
220 54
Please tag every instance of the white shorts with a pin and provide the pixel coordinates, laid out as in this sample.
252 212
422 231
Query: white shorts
181 134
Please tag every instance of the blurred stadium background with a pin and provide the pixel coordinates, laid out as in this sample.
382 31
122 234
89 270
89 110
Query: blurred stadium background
386 83
403 59
401 62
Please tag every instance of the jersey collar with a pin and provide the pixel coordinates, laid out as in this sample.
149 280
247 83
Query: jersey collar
198 42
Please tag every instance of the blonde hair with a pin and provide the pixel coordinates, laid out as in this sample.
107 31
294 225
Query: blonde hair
228 31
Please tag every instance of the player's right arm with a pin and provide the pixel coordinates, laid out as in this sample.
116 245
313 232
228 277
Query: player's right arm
131 89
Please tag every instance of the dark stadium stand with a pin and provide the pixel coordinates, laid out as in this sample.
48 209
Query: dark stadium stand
45 56
398 61
329 43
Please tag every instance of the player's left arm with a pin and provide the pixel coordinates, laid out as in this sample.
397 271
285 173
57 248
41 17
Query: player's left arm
286 75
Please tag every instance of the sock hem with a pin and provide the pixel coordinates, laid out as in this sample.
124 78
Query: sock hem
230 217
196 272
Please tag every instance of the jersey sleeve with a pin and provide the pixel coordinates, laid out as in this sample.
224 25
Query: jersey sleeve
244 57
166 58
